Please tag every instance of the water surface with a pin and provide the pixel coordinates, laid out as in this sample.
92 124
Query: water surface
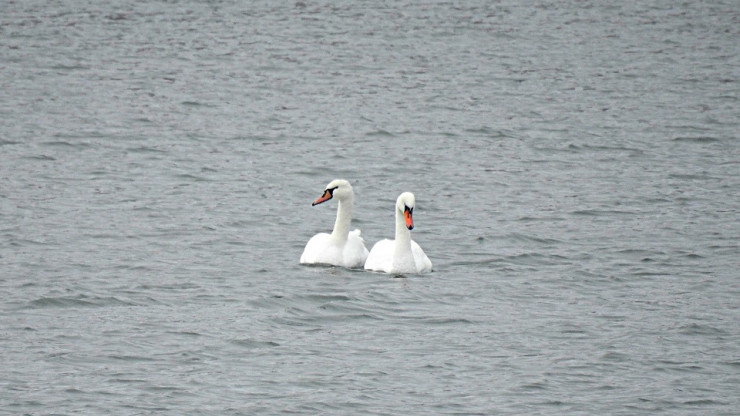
575 166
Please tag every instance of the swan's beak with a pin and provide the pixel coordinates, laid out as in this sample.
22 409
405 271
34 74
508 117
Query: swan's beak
327 196
408 214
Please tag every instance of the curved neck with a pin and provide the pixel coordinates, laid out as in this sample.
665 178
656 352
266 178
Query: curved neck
403 260
344 219
403 235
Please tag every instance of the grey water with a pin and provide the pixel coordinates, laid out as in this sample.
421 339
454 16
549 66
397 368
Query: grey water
577 175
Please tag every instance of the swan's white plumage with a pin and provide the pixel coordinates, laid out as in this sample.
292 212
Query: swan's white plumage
402 255
381 258
342 247
321 250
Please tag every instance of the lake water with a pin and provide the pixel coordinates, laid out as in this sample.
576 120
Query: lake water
577 175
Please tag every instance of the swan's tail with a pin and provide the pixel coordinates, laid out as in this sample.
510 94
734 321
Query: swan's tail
356 232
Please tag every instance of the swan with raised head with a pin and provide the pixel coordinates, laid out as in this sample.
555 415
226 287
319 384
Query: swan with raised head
342 247
402 255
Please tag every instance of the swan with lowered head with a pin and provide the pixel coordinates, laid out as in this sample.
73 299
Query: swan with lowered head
402 255
342 247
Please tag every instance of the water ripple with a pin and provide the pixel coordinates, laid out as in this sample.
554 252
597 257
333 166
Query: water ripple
575 169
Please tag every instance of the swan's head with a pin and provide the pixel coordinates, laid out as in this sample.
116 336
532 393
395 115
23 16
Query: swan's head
405 203
338 188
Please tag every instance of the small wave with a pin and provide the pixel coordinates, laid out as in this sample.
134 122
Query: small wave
144 149
131 358
532 259
254 344
600 212
689 177
490 132
191 178
185 333
21 242
538 385
325 298
195 104
647 273
173 286
520 259
76 301
41 157
65 144
335 312
63 302
529 218
615 357
63 67
698 329
447 321
380 133
73 391
530 238
638 252
703 402
583 148
696 139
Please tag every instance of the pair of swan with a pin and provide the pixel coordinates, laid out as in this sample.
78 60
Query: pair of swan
347 249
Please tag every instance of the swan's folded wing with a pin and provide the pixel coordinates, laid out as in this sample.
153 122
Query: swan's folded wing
314 248
355 252
381 256
356 233
423 264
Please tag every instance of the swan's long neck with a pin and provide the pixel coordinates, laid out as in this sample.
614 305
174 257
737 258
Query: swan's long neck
403 237
344 219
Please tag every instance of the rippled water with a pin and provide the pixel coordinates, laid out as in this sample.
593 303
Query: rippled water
576 168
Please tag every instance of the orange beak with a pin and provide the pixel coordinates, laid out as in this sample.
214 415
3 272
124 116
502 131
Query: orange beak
408 214
325 197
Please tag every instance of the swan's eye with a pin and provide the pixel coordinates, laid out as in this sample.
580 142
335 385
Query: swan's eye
331 191
410 210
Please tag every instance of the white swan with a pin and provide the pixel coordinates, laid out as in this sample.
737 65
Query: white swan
341 247
401 255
